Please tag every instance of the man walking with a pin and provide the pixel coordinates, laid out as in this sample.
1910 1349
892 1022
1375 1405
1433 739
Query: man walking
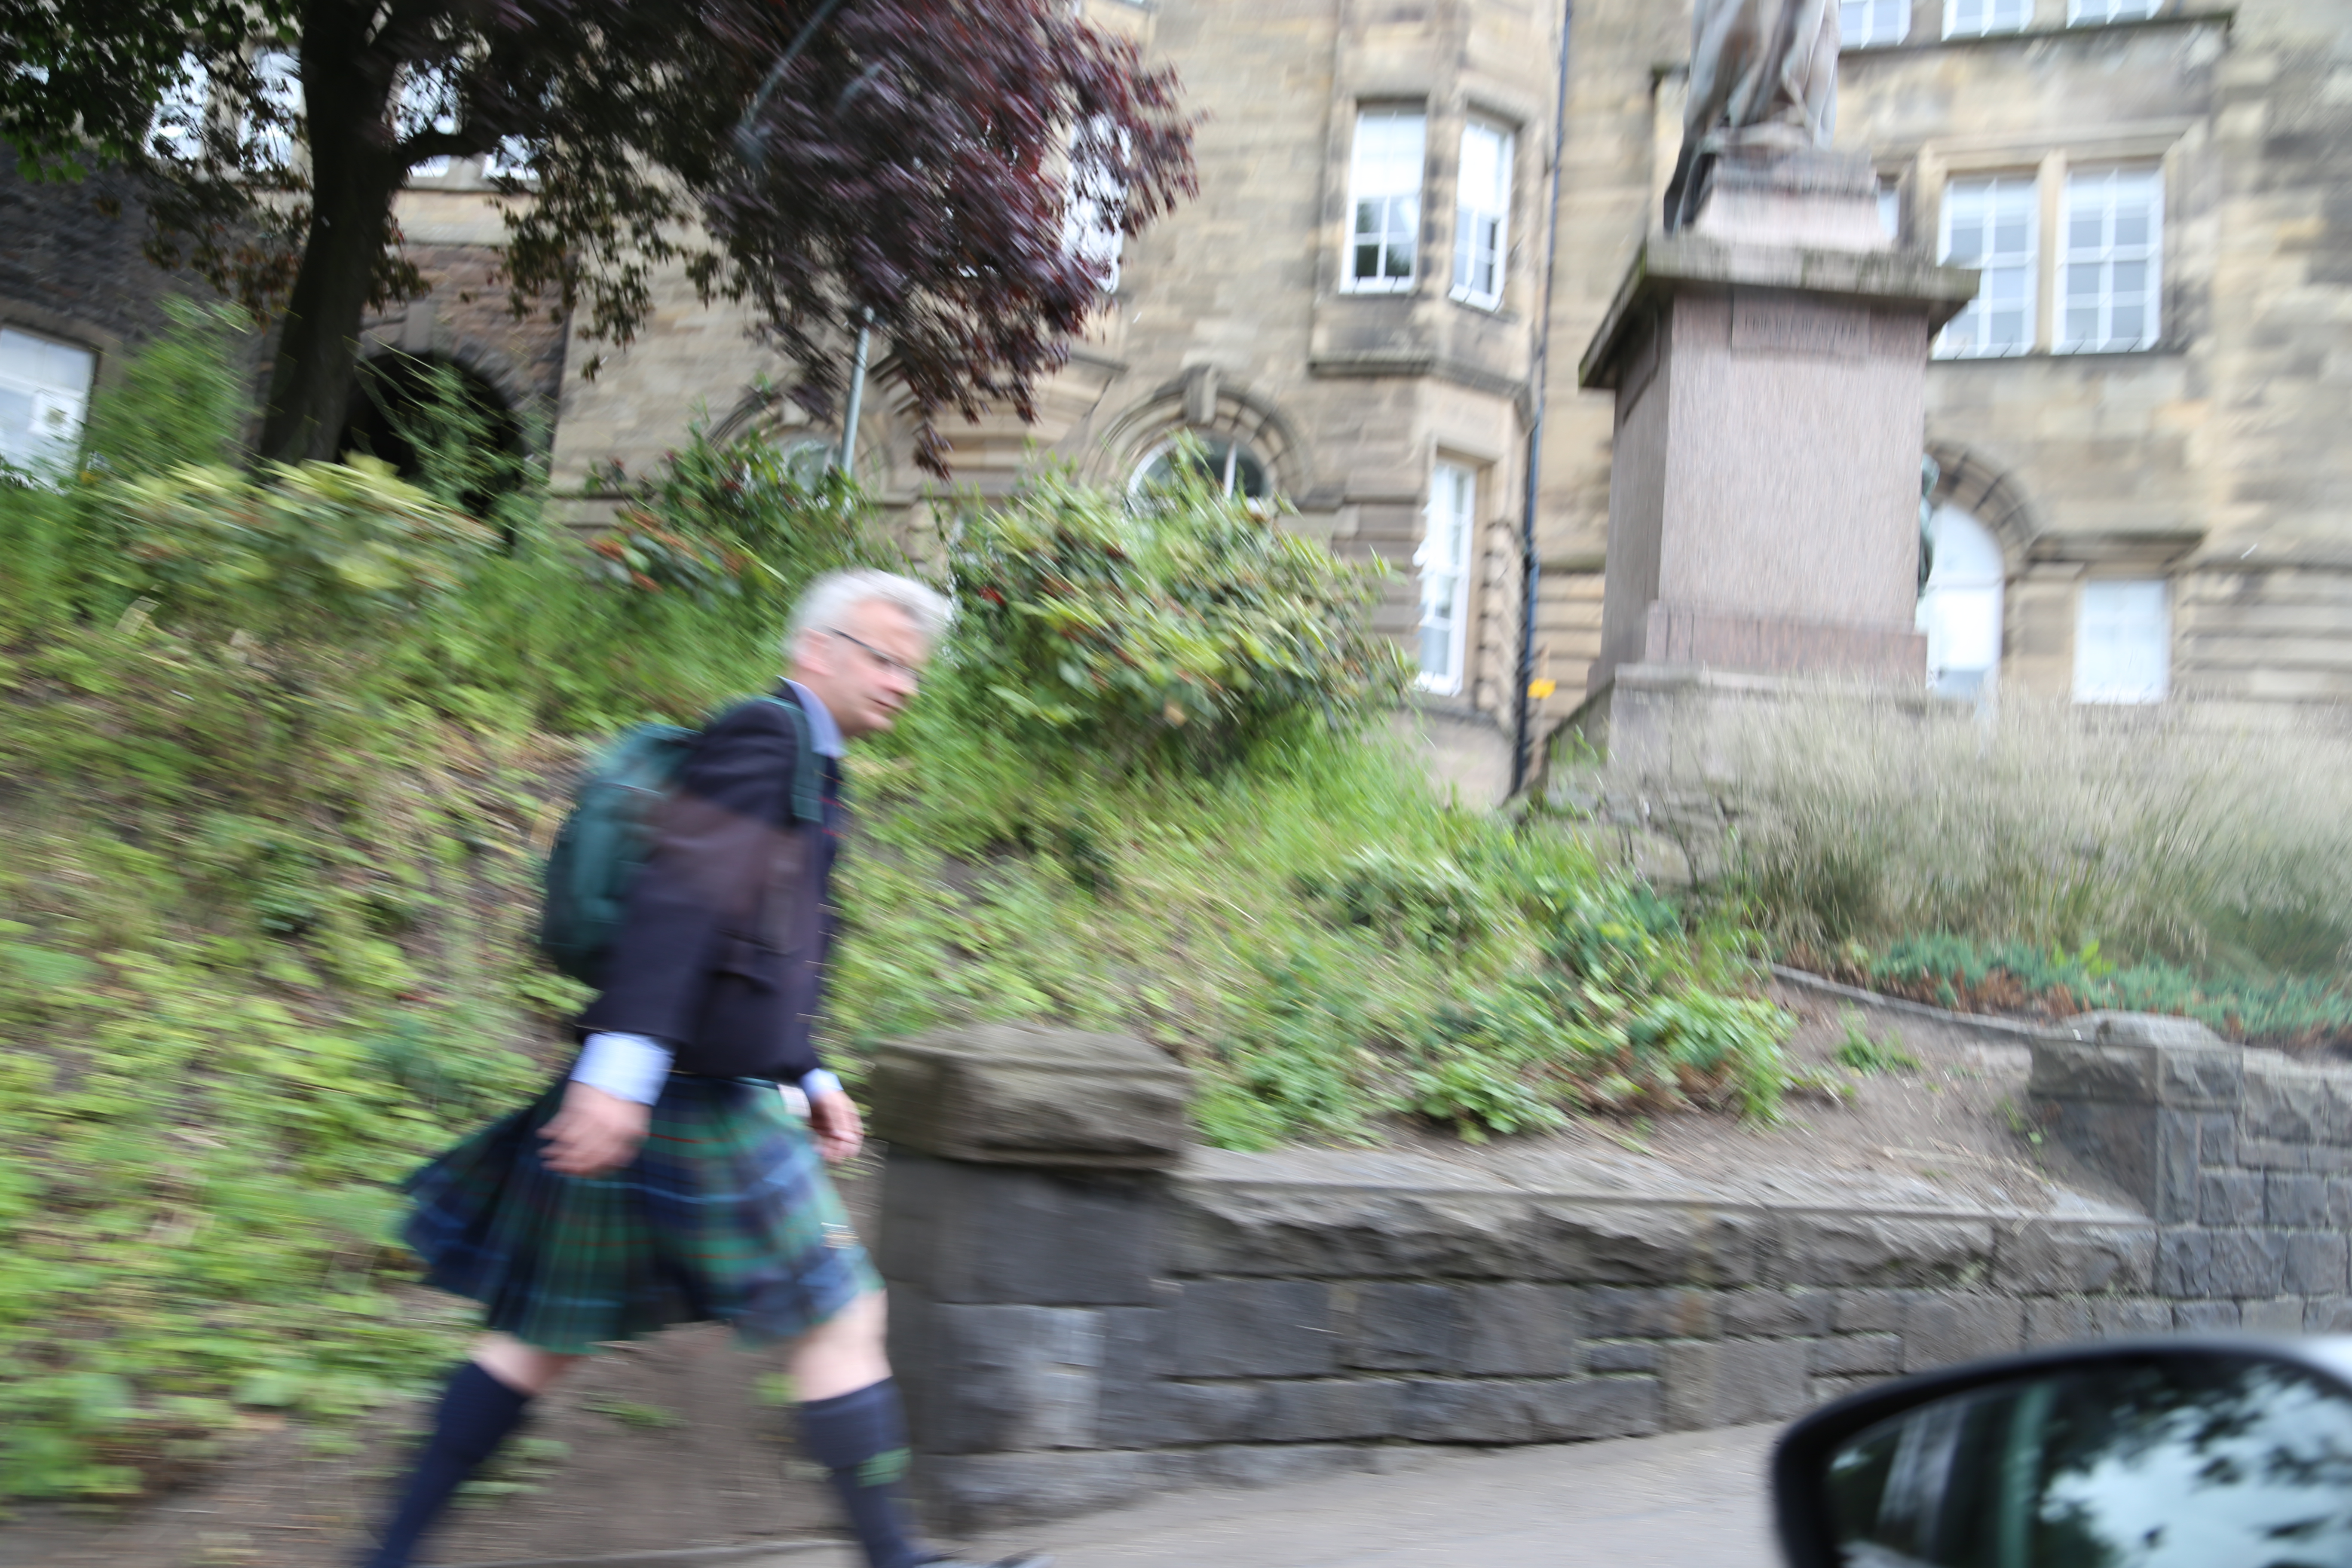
665 1181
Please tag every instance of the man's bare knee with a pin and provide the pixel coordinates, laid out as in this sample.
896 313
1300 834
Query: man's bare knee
524 1368
844 1353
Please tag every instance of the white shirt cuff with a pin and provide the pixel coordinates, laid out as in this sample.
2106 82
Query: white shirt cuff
819 1081
632 1067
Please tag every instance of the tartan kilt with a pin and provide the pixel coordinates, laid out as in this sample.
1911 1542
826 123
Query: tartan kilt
725 1213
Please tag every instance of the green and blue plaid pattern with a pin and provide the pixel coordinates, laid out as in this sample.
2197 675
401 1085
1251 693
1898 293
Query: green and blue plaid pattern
725 1213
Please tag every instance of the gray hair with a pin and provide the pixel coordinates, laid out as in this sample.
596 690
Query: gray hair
830 598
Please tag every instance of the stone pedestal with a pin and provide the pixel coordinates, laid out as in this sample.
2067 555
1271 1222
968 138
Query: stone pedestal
1021 1239
1770 369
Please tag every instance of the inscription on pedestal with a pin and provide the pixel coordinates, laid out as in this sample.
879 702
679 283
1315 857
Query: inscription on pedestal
1776 323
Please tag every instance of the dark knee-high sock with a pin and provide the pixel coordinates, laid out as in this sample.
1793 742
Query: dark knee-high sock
477 1413
861 1438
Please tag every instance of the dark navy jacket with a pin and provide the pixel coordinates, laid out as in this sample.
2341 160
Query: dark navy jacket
721 957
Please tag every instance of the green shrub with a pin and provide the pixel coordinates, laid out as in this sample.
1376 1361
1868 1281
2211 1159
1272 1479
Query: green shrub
322 556
1192 628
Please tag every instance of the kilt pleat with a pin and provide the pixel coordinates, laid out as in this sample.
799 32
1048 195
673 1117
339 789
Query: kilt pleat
726 1213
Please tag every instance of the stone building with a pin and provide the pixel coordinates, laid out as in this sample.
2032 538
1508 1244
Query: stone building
2145 492
2144 486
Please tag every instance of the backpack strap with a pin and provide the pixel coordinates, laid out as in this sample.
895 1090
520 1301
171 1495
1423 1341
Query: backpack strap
808 783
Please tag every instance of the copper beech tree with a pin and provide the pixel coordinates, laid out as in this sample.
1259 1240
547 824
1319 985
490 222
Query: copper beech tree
938 163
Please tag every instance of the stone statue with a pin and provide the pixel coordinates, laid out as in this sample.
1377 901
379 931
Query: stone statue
1763 82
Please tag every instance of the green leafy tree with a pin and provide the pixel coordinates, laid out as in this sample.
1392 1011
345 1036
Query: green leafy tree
938 163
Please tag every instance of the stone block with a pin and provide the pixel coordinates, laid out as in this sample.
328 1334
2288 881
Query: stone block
1192 1412
2217 1139
2205 1317
2176 1196
998 1235
2050 1321
1623 1355
1620 1244
2073 1069
2294 1201
1831 1248
963 1493
1857 1355
1519 1330
2257 1154
2339 1203
999 1378
2227 1198
2332 1315
2247 1263
2282 1316
1252 1328
1939 1331
1492 1411
1011 1094
1616 1314
1591 1408
1872 1311
2279 1107
1776 1314
1138 1351
1334 1410
2315 1263
2184 1261
2127 1319
2047 1256
1406 1328
1730 1383
1261 1228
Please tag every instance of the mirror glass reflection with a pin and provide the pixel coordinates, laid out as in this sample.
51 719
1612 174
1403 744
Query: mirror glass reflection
2189 1461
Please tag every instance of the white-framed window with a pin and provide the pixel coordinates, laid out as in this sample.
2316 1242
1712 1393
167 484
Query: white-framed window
270 143
1991 223
178 128
44 394
2110 273
1865 23
1482 214
1384 178
2089 13
2123 641
1444 562
1975 19
1960 608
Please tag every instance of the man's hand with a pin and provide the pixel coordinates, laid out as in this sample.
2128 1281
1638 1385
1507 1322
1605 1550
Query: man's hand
595 1132
833 1118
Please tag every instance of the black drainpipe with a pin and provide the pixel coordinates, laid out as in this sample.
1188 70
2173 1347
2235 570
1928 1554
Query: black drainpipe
1530 564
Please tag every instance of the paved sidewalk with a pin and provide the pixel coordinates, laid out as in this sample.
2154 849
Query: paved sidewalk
1639 1502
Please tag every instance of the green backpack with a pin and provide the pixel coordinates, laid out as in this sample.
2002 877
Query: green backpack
607 838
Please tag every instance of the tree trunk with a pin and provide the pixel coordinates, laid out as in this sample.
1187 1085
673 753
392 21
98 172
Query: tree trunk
354 175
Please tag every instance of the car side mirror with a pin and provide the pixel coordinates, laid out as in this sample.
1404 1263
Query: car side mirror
2153 1454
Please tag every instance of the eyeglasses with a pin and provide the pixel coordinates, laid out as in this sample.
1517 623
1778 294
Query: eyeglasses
888 661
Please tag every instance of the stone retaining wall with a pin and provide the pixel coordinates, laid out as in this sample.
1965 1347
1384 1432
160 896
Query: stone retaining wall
1072 1336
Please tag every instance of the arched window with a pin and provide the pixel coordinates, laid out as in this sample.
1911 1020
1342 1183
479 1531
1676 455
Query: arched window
1961 610
1224 462
808 458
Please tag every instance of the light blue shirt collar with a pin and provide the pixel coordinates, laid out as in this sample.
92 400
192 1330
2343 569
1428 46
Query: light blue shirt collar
823 733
